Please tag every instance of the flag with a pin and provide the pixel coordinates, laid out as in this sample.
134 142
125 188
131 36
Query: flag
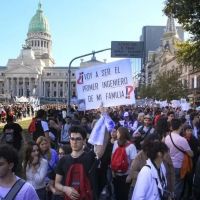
98 132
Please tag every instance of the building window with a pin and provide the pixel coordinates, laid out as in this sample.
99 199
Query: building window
192 83
54 84
185 83
73 74
54 93
48 74
198 82
41 43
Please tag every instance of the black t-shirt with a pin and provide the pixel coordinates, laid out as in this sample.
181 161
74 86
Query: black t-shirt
89 162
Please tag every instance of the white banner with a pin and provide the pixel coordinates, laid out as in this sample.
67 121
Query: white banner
110 84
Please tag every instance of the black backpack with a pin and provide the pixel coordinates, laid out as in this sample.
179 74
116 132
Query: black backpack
137 140
38 130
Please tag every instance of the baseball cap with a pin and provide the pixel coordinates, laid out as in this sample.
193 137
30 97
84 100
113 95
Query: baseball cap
126 114
147 117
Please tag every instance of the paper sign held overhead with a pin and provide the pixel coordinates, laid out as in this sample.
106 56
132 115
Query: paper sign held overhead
110 84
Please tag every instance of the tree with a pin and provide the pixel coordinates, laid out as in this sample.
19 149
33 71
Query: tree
167 86
146 91
187 12
188 54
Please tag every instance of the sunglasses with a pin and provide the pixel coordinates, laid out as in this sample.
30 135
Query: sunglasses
76 139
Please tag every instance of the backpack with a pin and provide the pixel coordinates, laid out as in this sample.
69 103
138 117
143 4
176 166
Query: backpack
119 160
38 130
78 179
32 127
137 140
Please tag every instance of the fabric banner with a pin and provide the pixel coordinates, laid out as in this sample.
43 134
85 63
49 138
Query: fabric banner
110 84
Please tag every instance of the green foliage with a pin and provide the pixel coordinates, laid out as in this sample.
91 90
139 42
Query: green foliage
24 124
167 86
187 12
189 53
146 91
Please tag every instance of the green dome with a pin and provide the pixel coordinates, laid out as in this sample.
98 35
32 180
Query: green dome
38 22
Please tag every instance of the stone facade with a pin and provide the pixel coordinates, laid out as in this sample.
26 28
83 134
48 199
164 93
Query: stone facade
33 72
164 60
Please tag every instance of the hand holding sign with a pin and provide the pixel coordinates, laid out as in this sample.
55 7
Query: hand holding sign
102 109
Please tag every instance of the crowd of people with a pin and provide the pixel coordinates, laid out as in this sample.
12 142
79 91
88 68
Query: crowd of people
118 153
17 110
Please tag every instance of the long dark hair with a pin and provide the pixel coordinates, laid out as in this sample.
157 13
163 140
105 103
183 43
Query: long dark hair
27 154
124 136
162 127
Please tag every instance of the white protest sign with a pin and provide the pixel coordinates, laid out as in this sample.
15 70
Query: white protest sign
175 103
163 104
185 106
110 84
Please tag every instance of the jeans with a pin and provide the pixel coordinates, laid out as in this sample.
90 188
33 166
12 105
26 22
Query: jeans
179 184
130 192
41 193
121 188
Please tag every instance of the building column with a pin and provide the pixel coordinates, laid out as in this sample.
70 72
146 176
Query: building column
17 83
6 85
63 89
51 88
57 92
24 93
12 87
30 86
36 87
40 86
44 88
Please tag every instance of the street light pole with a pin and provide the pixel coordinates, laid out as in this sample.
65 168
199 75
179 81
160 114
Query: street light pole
69 72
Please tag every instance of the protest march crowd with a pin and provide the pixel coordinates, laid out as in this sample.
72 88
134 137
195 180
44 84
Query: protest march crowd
115 153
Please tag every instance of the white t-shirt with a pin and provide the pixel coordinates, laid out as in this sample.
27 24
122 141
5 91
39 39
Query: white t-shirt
176 155
27 192
37 179
131 153
45 126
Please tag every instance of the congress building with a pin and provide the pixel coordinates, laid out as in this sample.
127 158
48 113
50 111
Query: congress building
33 72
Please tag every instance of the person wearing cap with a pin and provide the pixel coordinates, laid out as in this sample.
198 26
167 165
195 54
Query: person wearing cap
128 123
142 131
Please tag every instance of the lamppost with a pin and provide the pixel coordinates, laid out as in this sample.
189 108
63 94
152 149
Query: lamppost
69 73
